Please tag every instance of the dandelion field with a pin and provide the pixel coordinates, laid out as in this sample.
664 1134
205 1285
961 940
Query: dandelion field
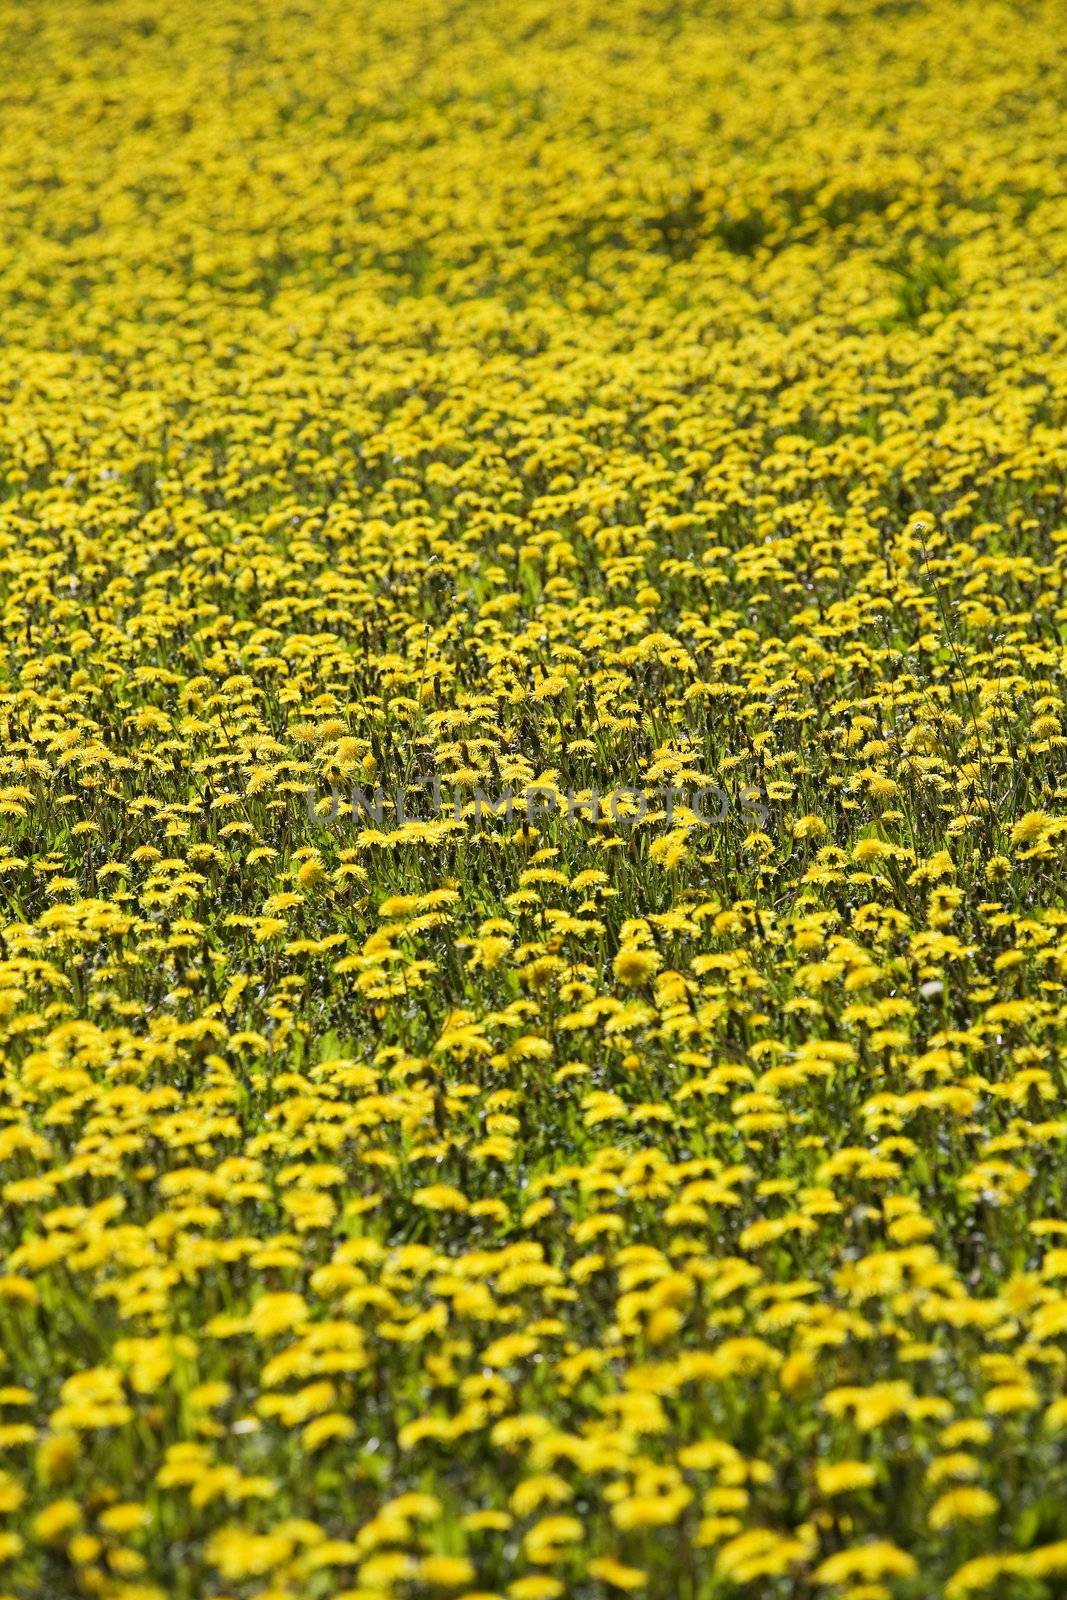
669 395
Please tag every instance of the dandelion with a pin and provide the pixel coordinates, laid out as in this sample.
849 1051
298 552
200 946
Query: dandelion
867 1562
533 954
843 1477
1030 828
633 967
961 1505
57 1520
617 1575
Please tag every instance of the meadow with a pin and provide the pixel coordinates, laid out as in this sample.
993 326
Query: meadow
669 396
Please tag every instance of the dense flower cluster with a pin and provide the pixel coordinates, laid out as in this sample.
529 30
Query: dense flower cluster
668 394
